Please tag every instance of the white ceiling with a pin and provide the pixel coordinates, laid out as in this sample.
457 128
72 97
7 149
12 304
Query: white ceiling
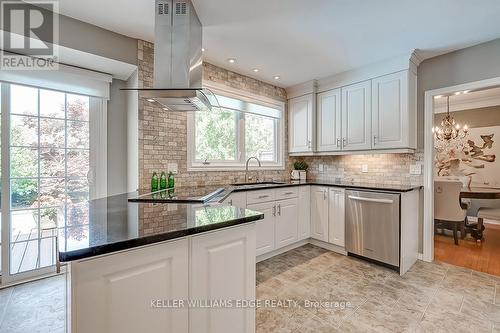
301 40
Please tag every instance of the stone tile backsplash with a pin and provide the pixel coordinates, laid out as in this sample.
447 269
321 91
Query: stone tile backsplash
382 168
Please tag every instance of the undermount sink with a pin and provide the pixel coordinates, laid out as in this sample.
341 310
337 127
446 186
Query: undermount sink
257 184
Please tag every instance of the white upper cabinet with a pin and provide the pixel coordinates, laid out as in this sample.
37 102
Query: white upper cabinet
392 113
356 116
301 123
329 126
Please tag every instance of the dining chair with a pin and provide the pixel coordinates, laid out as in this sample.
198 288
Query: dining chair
487 213
448 211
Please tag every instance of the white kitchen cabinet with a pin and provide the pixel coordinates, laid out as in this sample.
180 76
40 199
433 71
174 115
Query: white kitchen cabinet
265 228
301 123
104 289
286 222
237 199
222 268
319 213
329 125
304 212
336 216
356 116
393 111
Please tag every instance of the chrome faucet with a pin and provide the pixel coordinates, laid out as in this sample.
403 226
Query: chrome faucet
246 167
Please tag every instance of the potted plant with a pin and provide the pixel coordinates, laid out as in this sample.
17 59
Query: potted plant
301 168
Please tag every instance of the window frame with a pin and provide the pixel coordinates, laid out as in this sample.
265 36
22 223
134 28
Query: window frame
239 164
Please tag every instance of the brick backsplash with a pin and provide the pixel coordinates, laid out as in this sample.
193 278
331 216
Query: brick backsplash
163 135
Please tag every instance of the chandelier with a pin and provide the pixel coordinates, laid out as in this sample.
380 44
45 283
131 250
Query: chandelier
450 134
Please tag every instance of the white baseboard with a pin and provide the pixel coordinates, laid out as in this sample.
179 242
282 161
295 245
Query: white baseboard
287 248
328 246
420 256
324 245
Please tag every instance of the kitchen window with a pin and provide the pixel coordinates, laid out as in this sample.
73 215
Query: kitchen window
244 126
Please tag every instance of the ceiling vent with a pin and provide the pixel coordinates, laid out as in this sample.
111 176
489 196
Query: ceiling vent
180 8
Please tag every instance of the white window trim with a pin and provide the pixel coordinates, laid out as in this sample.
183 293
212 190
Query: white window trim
192 165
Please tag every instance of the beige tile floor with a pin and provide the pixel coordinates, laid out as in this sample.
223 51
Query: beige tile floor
431 297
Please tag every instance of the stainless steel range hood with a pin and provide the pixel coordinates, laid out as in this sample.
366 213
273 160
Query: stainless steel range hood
177 59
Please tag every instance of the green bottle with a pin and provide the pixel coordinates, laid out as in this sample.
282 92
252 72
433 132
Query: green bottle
171 180
154 182
163 181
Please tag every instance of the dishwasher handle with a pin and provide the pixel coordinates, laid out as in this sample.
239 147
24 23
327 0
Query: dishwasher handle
384 201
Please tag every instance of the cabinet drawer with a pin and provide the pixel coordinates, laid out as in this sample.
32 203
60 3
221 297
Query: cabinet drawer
287 192
260 196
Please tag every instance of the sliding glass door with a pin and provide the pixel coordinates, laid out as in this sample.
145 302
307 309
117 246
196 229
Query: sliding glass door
45 175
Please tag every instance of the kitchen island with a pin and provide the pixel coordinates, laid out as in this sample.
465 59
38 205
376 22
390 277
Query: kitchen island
159 267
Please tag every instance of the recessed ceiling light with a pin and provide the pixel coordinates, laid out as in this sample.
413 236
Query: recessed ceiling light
438 96
467 91
166 109
151 100
256 70
202 49
277 77
231 60
458 93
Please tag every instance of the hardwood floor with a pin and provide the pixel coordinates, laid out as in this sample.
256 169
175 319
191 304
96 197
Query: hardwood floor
483 257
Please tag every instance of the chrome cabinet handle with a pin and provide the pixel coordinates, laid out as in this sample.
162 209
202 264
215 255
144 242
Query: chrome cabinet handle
274 210
374 140
279 209
344 142
288 193
263 196
231 202
308 143
338 142
324 194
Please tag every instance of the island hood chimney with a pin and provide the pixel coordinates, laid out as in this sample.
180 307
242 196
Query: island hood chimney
178 66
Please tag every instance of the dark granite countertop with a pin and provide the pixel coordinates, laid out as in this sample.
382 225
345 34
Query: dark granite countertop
361 186
115 224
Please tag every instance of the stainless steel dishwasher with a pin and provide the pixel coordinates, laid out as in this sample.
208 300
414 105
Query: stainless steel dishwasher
372 226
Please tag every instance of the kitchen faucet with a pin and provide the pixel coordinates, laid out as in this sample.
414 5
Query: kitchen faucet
246 167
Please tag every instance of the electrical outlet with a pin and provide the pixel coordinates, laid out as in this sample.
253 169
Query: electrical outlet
364 168
172 167
321 168
416 169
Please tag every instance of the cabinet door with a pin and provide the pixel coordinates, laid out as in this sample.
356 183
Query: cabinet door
300 123
356 116
304 212
336 217
237 199
265 228
390 118
223 268
319 213
286 222
113 293
329 121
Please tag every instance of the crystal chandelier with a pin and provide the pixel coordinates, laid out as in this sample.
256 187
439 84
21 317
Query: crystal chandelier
450 134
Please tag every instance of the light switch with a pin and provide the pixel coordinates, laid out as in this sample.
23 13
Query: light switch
321 168
364 168
172 167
